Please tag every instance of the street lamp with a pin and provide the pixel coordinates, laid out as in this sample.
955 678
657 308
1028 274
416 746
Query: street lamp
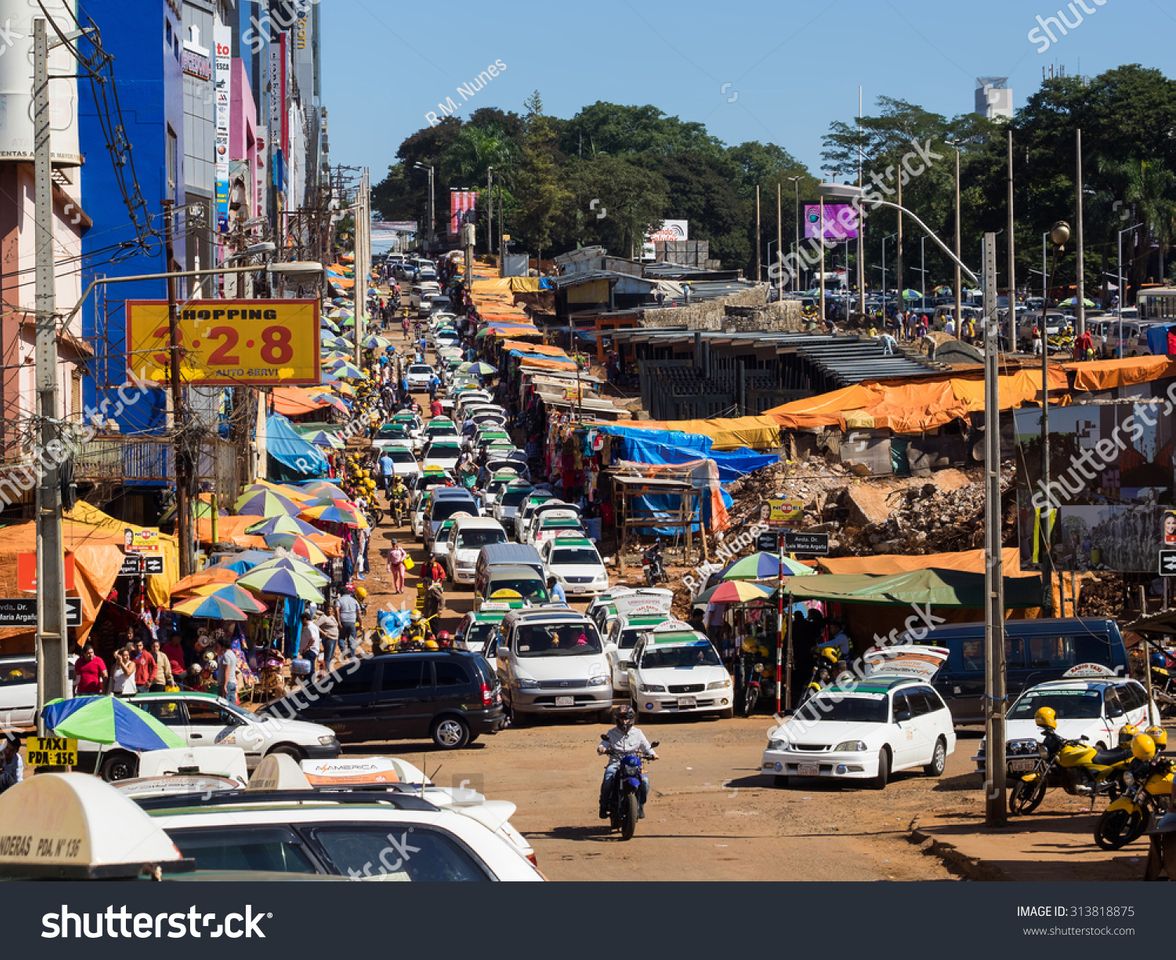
1119 292
893 236
432 200
796 184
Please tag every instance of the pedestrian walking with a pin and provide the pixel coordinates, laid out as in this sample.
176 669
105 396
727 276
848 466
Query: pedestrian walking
396 557
226 669
347 613
11 764
328 627
89 673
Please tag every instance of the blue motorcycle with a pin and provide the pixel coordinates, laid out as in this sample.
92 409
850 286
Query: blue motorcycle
627 792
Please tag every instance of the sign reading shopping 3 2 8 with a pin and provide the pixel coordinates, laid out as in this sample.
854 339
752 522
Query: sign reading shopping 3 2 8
227 342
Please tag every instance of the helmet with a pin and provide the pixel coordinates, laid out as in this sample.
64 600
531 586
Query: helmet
832 654
1127 733
624 716
416 616
431 645
1046 718
361 592
1159 735
444 637
1143 748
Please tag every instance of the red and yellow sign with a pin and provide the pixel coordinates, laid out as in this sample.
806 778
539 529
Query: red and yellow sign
227 342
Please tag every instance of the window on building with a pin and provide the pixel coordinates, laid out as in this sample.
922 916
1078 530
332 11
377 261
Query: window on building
173 161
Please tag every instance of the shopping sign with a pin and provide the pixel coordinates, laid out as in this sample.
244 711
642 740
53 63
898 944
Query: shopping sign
26 572
227 342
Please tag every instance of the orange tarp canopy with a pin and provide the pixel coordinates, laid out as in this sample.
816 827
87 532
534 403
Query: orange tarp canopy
1096 376
544 363
821 410
968 561
291 401
544 348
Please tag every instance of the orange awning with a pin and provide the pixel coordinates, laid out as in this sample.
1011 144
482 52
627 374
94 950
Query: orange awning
1096 376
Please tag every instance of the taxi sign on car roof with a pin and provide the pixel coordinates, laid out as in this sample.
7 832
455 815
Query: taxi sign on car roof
566 541
1088 671
646 619
675 636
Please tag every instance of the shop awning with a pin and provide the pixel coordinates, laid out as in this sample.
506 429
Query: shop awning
934 587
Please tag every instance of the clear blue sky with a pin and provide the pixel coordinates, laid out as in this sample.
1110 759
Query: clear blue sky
749 69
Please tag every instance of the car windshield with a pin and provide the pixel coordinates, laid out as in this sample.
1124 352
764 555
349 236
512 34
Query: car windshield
575 555
418 368
409 852
655 659
1069 704
512 498
392 431
444 509
557 639
25 672
477 633
534 590
444 450
400 455
844 710
481 537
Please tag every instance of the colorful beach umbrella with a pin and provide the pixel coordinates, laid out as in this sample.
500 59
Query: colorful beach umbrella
321 489
109 720
296 565
299 546
234 595
336 511
281 525
217 575
376 342
740 591
211 607
480 367
764 566
281 583
266 503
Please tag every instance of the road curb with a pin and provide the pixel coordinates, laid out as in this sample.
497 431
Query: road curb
957 862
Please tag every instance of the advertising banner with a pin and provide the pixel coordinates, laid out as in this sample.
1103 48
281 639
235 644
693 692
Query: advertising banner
228 342
841 222
461 203
222 86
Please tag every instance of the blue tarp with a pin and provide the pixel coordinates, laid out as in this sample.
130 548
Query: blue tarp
1157 339
672 446
295 457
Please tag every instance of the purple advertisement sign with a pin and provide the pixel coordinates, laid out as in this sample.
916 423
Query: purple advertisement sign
841 222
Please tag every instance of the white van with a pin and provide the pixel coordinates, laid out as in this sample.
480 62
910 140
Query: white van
551 660
420 293
466 540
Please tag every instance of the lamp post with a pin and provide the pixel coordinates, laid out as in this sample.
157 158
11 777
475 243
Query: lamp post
884 239
1058 235
432 200
796 223
1119 292
996 813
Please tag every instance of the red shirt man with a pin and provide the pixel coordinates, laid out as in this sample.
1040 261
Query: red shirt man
144 667
435 408
89 673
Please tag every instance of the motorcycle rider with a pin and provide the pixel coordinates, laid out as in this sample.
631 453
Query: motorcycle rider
652 558
623 738
397 495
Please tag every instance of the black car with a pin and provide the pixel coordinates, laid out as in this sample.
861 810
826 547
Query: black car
451 696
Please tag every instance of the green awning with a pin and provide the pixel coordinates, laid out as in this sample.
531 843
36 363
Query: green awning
938 588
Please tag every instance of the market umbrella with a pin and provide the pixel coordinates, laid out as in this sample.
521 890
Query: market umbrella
910 294
762 566
740 591
299 566
281 525
299 546
280 582
211 607
217 575
480 367
345 370
1073 302
324 438
266 503
328 325
234 594
337 511
376 342
323 489
108 720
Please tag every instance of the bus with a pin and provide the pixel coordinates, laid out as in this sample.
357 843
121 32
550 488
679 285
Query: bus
1157 303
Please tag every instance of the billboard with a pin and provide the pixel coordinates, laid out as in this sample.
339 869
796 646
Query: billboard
228 342
668 231
841 222
462 207
222 63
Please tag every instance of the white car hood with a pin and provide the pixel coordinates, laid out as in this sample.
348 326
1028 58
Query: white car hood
681 675
562 666
828 732
592 570
1067 729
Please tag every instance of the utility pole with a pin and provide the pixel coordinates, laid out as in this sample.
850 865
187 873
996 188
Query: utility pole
362 260
995 813
180 438
490 210
1080 295
861 228
501 238
821 244
898 258
52 633
779 247
1012 314
759 256
959 278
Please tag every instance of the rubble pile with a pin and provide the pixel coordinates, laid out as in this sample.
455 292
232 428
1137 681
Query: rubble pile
1103 594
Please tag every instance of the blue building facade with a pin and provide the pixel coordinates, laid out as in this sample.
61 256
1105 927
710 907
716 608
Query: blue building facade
147 48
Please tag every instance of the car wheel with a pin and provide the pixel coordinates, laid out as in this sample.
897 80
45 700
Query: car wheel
880 781
289 750
120 766
938 759
450 732
727 714
781 781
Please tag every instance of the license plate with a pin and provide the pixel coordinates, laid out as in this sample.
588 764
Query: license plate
808 769
565 701
1022 766
685 703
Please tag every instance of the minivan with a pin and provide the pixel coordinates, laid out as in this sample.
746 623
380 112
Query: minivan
513 553
1035 651
448 696
518 578
552 661
447 502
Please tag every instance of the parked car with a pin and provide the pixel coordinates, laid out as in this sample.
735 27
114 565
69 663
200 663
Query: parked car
18 691
477 627
676 670
444 453
863 732
575 563
506 504
449 696
202 720
514 581
552 660
447 502
393 433
466 540
557 523
418 376
404 461
620 640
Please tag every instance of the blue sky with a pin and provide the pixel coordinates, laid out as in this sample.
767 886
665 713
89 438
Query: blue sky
749 70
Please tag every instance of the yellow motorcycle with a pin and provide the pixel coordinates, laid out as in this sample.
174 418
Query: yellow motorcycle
1074 765
1148 791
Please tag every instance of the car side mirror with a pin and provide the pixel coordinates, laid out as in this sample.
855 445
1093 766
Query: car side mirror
903 714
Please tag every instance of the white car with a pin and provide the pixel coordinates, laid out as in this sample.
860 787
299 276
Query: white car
404 461
554 524
506 504
439 428
864 731
675 670
18 691
418 376
576 565
444 453
1094 708
623 633
204 720
466 540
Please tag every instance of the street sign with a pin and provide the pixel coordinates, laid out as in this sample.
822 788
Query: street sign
26 572
769 542
22 612
228 342
815 544
1168 563
51 752
137 564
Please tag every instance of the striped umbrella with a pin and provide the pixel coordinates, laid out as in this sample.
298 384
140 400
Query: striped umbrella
281 525
324 438
211 607
480 367
266 503
296 565
109 720
337 511
300 546
740 591
281 583
376 342
234 595
764 566
216 575
345 371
